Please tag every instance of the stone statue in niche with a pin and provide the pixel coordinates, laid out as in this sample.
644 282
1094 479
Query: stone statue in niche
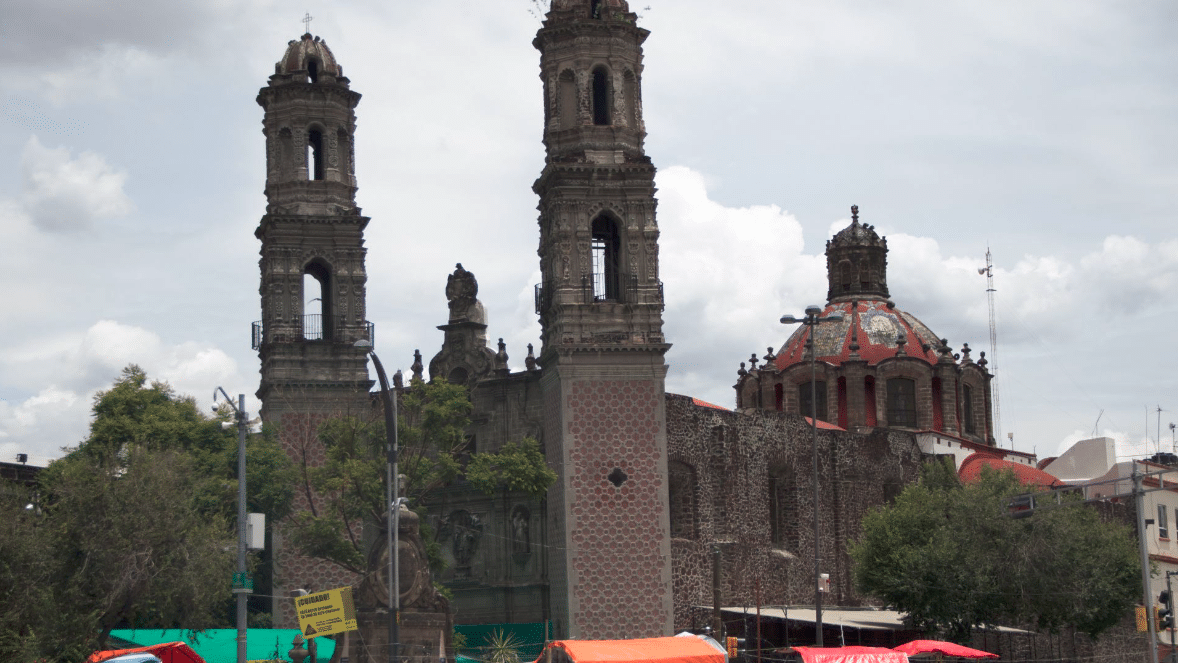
521 543
464 530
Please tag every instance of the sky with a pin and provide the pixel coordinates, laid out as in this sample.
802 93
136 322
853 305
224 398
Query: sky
132 168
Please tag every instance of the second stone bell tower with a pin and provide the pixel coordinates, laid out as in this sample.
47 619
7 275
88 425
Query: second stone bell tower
600 304
312 274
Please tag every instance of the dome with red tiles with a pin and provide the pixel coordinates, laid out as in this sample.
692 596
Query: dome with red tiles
877 366
971 470
309 54
870 331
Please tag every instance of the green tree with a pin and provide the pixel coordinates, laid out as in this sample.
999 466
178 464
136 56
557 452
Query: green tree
432 445
134 527
951 557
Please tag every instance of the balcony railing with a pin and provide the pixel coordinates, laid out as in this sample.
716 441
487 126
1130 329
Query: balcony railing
312 329
628 295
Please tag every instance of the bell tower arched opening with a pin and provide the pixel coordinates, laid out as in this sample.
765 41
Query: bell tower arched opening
317 322
601 97
315 154
605 246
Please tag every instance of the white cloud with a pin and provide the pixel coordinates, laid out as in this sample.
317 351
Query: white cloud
58 414
62 193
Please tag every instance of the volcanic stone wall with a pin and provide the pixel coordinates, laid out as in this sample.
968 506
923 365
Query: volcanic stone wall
742 481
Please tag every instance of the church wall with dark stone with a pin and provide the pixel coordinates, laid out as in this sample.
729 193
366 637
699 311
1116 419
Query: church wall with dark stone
744 482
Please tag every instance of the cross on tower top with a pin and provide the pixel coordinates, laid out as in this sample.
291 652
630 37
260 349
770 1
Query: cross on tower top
307 22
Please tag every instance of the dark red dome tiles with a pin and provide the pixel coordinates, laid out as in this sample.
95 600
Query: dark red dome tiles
873 325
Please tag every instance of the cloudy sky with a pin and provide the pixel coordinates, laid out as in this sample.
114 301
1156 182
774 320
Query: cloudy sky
132 168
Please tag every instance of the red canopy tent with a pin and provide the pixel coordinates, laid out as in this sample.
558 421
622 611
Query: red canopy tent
946 648
168 652
851 655
656 650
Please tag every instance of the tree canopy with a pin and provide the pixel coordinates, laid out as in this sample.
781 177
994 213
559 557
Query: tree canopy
951 557
134 527
433 453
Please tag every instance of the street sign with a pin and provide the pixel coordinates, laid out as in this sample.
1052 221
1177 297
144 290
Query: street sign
326 613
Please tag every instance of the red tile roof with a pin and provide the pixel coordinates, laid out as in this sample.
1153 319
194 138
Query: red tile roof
971 470
707 404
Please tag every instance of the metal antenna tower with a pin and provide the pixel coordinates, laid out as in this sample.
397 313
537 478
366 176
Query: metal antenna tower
988 270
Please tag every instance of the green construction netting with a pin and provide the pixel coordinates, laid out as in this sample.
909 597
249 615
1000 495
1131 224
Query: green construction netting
530 635
219 645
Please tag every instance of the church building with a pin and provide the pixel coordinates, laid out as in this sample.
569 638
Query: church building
650 485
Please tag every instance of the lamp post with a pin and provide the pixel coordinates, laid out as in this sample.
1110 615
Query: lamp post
812 321
393 516
242 586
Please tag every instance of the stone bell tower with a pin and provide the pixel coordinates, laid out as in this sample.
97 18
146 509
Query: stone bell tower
600 305
312 271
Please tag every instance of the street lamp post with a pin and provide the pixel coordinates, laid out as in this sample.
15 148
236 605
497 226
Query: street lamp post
812 321
394 503
242 587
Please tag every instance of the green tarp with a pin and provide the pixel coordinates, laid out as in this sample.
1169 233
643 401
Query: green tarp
478 637
219 645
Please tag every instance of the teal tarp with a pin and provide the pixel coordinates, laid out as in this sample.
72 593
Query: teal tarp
478 636
219 645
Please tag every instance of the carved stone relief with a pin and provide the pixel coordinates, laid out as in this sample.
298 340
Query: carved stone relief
584 115
619 116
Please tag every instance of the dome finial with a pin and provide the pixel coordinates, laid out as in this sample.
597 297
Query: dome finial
307 23
854 214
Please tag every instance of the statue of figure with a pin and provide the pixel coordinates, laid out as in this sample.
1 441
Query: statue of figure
461 290
520 537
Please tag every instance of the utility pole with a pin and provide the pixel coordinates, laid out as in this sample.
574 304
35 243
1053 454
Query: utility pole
1151 621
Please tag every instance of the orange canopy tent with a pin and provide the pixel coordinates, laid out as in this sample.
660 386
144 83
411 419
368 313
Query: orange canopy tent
168 652
660 650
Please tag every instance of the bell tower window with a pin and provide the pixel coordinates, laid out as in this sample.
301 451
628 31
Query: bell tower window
595 9
312 71
317 323
315 154
604 247
601 97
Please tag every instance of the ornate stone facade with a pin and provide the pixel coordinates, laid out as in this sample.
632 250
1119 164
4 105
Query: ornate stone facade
312 232
648 483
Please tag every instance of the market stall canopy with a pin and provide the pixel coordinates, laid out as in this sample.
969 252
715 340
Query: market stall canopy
851 655
655 650
168 652
917 647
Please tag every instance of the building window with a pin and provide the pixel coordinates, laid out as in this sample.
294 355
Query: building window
902 402
601 97
804 405
315 155
604 247
967 408
312 71
779 397
1163 524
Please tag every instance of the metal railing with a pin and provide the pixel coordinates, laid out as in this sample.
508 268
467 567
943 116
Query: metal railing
628 294
311 329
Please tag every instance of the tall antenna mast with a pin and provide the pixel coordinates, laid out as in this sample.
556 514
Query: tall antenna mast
988 270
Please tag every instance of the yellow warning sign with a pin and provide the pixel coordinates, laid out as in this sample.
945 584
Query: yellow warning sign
325 613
